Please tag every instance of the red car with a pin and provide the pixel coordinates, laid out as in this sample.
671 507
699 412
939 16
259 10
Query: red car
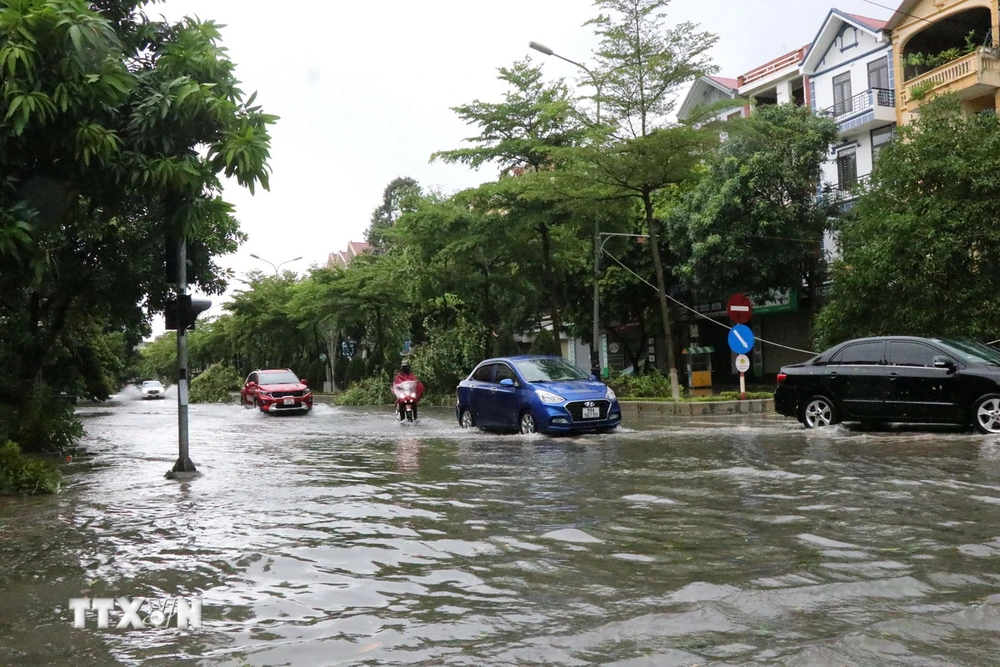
276 391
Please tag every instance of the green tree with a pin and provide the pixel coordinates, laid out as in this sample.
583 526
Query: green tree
641 66
754 223
400 196
115 130
520 135
922 254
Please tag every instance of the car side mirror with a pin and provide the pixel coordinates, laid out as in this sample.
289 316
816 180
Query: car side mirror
507 382
304 381
594 378
944 362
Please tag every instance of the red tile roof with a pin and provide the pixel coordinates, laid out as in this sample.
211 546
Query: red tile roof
874 24
728 83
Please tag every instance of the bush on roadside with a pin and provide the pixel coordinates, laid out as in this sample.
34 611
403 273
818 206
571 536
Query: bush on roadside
21 475
369 391
214 384
448 356
647 385
47 423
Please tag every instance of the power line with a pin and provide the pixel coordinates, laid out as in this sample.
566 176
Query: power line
702 315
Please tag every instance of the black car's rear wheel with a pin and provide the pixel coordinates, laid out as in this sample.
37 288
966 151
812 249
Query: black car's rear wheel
466 420
819 411
986 415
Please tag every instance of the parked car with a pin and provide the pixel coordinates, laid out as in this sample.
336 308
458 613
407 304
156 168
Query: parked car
275 391
901 379
529 394
152 389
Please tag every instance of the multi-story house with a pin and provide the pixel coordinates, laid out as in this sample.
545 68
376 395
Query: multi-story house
852 81
779 81
946 46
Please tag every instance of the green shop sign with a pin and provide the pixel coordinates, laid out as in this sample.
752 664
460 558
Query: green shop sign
780 302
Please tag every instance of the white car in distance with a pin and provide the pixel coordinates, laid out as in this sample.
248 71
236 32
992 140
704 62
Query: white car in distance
152 389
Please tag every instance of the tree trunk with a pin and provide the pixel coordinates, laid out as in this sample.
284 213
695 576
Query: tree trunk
554 305
654 242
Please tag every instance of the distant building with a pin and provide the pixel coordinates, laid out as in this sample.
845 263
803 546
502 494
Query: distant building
343 259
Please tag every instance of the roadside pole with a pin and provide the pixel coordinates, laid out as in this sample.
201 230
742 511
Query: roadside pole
184 463
743 365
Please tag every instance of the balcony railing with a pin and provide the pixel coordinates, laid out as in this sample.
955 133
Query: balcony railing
846 191
976 63
872 97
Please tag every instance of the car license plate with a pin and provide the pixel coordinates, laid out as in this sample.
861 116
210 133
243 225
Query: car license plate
289 401
591 413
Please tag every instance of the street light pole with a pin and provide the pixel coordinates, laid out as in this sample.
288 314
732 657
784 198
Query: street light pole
276 274
595 343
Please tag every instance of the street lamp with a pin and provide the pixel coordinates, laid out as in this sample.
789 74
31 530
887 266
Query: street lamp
276 274
595 354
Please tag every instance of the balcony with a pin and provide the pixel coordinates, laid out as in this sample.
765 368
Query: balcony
973 75
873 108
843 195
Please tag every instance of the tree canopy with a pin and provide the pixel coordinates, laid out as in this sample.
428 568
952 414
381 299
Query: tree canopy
922 253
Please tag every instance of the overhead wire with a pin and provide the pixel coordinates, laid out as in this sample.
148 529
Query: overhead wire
702 315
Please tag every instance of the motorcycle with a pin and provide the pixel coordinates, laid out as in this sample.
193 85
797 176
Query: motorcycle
406 400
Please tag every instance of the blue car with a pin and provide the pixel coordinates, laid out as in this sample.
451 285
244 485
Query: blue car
536 394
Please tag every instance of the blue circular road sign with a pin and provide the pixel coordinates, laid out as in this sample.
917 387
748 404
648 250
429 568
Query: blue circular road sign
741 339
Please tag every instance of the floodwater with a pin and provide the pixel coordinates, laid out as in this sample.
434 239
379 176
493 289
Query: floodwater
344 538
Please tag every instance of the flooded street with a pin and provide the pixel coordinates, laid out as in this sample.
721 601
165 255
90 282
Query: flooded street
344 538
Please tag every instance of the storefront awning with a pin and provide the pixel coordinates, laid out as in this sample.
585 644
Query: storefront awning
699 350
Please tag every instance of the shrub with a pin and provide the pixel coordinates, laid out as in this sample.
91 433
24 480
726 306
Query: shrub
647 385
46 424
21 475
370 391
214 384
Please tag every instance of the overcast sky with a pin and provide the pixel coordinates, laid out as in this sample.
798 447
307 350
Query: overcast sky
364 91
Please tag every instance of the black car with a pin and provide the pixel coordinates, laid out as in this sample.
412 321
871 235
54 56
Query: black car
901 379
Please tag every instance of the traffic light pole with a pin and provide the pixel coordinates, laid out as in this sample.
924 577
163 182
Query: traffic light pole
184 463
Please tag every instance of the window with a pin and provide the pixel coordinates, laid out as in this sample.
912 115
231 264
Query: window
911 354
847 38
549 369
878 74
252 378
484 373
847 168
880 138
505 372
862 354
842 94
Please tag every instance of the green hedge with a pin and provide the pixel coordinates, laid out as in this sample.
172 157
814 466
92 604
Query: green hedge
21 475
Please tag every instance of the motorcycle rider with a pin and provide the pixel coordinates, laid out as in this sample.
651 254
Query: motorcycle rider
405 374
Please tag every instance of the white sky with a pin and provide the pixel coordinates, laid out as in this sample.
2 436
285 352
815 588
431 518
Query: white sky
364 91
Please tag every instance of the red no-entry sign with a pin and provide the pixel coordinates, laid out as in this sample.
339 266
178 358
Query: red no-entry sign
739 309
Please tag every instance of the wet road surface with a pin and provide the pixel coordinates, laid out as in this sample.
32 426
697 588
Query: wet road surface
344 538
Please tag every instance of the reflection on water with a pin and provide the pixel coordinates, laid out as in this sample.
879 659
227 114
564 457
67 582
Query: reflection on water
343 537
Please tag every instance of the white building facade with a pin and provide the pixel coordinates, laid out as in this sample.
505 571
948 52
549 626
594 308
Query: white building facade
851 80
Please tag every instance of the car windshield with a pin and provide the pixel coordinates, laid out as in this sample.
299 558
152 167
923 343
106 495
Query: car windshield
151 384
549 370
278 377
970 351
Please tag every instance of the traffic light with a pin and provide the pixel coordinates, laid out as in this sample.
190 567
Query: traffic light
183 317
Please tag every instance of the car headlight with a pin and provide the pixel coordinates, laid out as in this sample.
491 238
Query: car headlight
549 397
610 395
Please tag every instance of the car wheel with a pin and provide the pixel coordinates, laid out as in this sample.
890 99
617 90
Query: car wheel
818 412
986 415
466 420
527 423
